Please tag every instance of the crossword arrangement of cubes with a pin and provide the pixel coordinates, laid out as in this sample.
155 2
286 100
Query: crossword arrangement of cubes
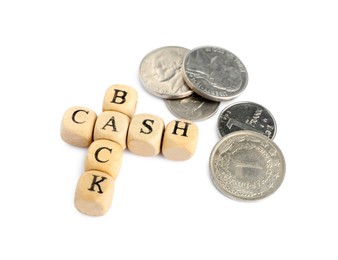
114 130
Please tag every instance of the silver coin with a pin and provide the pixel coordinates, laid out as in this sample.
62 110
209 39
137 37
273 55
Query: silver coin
246 116
214 73
194 107
160 73
246 165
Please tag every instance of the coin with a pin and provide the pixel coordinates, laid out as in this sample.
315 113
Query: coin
214 73
246 116
194 107
160 73
246 165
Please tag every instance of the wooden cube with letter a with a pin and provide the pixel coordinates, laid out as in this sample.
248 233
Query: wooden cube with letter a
113 126
105 156
120 98
94 193
77 126
180 140
145 135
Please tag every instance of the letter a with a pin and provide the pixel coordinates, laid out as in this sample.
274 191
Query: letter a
113 125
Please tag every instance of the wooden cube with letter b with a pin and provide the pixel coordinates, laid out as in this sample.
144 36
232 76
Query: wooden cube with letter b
180 140
120 98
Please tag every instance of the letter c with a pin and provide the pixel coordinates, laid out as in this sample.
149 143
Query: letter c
98 151
75 113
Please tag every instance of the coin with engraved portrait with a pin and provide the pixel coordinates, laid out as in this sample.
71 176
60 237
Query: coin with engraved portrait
214 73
194 107
160 73
246 165
246 116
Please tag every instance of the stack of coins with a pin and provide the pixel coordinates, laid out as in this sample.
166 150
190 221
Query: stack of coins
245 164
193 82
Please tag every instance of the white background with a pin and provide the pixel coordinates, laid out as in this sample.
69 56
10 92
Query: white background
54 55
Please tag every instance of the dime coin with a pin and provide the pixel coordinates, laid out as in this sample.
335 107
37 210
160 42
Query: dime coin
246 116
214 73
246 165
160 73
194 107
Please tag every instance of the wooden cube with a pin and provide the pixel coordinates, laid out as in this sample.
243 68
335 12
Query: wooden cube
77 126
105 156
120 98
145 135
113 126
179 140
94 193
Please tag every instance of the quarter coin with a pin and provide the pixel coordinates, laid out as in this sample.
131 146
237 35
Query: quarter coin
246 165
160 73
194 107
214 73
246 116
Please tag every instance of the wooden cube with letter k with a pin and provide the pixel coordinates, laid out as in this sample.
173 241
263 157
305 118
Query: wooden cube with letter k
94 193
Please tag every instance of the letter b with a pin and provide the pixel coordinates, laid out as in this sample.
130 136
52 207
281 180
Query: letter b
120 98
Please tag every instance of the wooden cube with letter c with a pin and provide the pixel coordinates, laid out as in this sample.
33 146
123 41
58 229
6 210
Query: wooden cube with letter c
179 140
77 126
145 135
94 193
120 98
105 156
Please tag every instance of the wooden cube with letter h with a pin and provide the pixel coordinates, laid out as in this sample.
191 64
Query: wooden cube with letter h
179 140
